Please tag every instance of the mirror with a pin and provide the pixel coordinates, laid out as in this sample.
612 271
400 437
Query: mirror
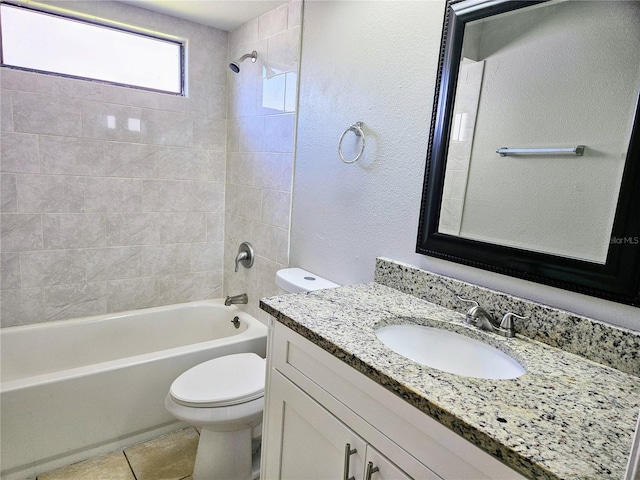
532 167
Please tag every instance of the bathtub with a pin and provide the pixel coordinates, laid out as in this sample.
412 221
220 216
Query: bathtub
74 389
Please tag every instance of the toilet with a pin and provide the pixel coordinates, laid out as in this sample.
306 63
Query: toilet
224 397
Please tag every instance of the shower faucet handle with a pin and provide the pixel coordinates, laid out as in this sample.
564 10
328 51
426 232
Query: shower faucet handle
245 256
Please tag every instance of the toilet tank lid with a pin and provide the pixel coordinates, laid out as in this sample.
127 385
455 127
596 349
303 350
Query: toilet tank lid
296 280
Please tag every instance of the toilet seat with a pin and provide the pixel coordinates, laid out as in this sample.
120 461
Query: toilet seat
221 382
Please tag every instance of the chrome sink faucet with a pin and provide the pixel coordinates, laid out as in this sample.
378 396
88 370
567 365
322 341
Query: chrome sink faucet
242 299
480 318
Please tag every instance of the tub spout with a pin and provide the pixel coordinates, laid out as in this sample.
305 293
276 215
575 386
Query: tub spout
231 300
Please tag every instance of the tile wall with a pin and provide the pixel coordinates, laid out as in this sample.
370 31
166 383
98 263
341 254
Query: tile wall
260 143
98 219
465 112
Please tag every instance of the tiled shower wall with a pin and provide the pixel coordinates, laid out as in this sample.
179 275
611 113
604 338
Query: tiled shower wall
465 111
98 219
260 143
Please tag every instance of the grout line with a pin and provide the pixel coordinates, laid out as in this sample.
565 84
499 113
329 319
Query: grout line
129 463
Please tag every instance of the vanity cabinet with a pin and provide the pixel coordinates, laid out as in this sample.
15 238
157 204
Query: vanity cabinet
316 445
317 407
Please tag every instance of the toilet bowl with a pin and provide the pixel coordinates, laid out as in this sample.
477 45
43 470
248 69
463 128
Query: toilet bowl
225 398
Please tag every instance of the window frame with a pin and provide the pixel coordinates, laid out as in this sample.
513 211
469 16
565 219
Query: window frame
102 23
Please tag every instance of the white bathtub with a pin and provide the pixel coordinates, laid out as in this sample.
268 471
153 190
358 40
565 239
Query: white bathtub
75 389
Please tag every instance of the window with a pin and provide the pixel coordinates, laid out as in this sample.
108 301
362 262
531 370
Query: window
44 42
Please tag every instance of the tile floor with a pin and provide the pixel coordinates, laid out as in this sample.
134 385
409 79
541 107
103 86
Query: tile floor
169 457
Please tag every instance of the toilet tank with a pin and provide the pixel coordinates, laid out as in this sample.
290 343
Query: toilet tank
295 280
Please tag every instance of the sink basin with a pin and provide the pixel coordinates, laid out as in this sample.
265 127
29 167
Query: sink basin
449 351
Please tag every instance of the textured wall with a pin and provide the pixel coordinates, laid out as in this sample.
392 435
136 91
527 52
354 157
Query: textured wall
262 107
377 62
97 219
373 62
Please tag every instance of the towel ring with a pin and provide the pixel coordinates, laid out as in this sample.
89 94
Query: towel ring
357 129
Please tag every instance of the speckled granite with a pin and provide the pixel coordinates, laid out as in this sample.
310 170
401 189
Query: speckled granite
613 346
567 417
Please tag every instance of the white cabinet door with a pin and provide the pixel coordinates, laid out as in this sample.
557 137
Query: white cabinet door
306 442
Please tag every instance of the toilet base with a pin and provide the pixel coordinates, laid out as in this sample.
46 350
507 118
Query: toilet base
223 455
255 464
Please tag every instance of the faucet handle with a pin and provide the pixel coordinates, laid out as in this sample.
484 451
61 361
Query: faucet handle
245 256
474 313
507 321
470 317
476 304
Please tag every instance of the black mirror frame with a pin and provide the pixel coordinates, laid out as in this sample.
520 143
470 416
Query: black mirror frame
617 280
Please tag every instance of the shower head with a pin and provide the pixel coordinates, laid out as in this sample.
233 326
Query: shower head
235 66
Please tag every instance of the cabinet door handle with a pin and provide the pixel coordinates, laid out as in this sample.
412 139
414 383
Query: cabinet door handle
371 470
348 451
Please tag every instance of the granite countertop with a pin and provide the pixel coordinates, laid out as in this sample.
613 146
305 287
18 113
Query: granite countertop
567 417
